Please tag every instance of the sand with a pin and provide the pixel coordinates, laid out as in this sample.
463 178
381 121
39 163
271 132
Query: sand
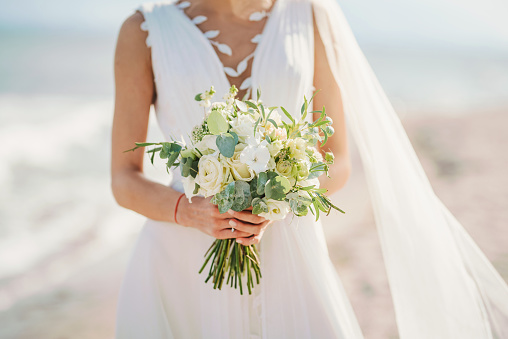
465 158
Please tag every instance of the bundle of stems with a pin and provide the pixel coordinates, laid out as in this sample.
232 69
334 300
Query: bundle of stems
227 257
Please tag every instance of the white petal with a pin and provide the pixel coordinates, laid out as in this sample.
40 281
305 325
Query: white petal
246 83
242 106
183 4
199 19
211 34
144 26
242 66
256 39
223 48
256 16
231 72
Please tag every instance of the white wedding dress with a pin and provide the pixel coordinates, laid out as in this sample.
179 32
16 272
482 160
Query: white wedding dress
442 285
300 294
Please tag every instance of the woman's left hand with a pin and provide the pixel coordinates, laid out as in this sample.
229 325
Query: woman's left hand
248 222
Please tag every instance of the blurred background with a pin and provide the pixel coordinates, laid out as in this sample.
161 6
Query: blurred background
64 243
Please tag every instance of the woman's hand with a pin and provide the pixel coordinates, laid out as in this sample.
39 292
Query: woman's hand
204 216
259 223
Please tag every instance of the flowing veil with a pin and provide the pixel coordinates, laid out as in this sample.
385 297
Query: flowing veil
442 285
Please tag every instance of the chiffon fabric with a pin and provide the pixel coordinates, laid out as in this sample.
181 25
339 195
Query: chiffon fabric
442 285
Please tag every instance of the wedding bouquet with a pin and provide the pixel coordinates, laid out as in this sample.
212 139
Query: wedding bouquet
244 155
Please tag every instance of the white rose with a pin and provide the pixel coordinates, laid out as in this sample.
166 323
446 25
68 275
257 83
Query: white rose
211 175
243 126
277 210
239 169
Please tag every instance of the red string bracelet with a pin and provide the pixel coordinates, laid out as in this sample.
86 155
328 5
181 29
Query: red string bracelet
176 206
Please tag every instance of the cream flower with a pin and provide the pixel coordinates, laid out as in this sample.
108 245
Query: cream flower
243 126
297 148
277 210
207 145
239 170
275 147
211 175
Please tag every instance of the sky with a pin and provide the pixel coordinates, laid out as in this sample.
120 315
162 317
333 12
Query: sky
470 24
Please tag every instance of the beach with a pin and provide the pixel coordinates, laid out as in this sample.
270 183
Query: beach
464 157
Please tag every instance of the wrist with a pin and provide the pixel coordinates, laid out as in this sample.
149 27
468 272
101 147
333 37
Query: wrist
178 206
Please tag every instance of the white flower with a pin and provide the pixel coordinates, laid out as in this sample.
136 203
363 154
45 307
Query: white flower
207 145
297 148
275 147
257 156
188 185
211 175
243 126
277 210
309 182
239 169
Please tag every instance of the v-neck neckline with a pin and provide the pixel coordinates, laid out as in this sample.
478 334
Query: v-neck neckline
213 53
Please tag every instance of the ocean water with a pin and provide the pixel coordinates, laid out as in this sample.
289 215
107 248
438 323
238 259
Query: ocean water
57 213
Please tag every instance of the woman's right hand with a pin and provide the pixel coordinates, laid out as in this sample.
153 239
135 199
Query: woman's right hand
204 216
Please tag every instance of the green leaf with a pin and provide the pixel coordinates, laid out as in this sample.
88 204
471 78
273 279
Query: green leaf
277 188
226 144
326 138
261 183
290 117
217 124
254 188
304 108
234 136
251 104
198 97
242 198
273 122
224 199
258 92
259 206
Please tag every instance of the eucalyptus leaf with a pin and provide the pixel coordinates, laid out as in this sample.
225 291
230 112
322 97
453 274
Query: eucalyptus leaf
226 144
242 198
259 206
277 188
217 124
261 183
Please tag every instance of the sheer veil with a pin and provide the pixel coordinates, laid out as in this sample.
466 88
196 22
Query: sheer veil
442 285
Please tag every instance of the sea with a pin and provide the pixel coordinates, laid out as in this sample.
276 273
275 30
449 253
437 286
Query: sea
57 213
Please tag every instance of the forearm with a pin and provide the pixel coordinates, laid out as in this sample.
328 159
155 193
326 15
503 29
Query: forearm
338 173
134 191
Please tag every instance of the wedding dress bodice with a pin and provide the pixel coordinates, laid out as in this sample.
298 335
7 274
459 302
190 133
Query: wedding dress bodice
185 63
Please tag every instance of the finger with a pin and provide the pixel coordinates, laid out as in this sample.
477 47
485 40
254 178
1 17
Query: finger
252 240
246 217
227 234
245 227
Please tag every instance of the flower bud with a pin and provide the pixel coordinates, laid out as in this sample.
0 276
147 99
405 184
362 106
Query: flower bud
329 157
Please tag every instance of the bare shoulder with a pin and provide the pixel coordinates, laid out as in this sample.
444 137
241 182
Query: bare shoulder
131 47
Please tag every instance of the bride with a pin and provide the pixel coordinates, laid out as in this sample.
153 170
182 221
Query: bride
442 284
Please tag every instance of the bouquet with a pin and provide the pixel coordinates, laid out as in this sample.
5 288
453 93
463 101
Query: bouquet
244 155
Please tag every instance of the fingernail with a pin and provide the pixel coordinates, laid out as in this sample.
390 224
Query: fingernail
238 240
232 223
231 212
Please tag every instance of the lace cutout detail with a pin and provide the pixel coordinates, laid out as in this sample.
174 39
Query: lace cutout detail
226 49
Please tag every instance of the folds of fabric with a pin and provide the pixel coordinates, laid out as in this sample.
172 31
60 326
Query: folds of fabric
442 284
